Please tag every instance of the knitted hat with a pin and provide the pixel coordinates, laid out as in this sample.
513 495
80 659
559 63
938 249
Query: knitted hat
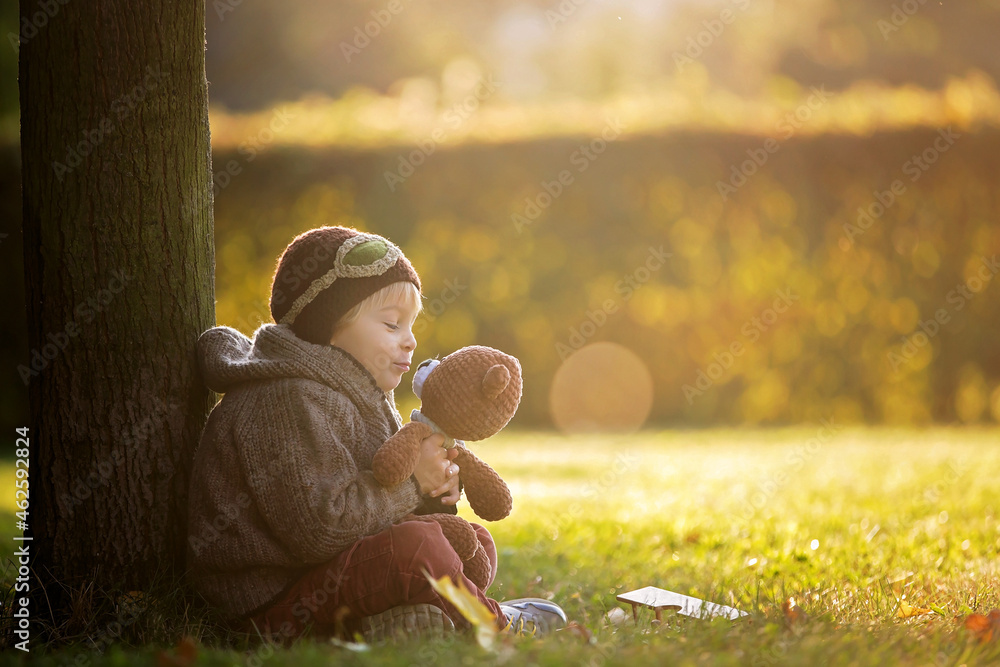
325 272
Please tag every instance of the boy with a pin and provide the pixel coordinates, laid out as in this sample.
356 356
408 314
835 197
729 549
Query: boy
288 528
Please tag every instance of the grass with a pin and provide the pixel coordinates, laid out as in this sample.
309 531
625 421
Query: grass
851 524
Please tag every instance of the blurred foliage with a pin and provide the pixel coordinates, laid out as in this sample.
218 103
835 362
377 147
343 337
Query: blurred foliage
452 112
260 53
304 136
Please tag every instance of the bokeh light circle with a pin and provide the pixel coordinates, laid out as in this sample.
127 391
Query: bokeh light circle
602 387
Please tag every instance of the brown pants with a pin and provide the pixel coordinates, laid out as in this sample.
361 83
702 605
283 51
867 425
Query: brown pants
376 573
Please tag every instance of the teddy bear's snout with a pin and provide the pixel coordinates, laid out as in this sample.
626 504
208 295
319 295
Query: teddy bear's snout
420 375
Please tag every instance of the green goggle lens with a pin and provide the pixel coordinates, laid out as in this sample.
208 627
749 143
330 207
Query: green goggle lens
365 253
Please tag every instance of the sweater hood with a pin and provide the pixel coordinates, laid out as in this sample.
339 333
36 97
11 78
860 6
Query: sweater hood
229 358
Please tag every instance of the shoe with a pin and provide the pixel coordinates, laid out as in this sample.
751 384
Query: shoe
417 621
531 616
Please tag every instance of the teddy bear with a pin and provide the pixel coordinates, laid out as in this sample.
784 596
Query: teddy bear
468 395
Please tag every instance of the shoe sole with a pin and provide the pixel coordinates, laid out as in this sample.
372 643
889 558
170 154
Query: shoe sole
419 621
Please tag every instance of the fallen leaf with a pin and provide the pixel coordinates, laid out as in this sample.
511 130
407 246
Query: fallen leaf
578 630
906 611
357 647
984 628
184 654
794 614
469 606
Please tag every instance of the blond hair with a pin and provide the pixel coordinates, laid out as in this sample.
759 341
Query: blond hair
404 291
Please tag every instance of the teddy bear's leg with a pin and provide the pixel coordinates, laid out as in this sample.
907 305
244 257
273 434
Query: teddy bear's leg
459 532
477 568
487 493
397 458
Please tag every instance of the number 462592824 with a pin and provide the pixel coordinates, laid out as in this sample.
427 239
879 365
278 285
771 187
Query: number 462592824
21 471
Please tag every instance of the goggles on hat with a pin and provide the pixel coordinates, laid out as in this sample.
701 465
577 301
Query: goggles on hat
360 256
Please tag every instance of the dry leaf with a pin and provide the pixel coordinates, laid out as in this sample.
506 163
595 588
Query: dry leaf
357 647
906 611
580 631
469 606
984 628
184 654
794 614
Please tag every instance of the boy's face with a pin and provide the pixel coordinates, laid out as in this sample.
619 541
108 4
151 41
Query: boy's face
382 340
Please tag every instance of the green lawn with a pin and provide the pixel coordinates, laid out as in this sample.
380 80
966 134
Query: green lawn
850 523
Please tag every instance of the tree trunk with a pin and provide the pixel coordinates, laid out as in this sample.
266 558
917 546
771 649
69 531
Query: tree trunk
119 267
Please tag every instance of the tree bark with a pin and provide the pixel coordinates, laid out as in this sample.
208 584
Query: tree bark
119 268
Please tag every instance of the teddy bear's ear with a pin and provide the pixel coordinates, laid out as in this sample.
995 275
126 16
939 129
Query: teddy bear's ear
495 381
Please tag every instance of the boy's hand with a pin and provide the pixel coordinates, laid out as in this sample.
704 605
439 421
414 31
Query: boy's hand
435 471
449 491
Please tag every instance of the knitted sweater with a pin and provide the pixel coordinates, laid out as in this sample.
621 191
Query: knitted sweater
282 479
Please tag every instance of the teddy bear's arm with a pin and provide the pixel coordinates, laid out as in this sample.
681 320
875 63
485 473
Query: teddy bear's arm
397 458
487 493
